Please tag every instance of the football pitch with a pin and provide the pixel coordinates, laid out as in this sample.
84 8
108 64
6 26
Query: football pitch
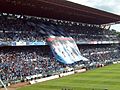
106 78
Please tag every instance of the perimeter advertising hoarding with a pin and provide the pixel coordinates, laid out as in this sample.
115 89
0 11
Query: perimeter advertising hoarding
21 43
65 49
36 43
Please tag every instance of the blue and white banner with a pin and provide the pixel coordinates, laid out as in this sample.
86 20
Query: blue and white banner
65 50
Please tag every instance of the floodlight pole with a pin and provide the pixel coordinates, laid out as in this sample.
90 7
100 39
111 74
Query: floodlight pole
3 84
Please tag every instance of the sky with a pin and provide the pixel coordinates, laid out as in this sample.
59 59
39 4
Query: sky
112 6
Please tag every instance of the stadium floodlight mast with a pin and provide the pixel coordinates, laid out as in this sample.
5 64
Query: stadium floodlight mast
3 84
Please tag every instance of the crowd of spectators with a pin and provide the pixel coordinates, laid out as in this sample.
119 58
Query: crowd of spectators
101 55
14 29
88 33
33 29
18 63
23 62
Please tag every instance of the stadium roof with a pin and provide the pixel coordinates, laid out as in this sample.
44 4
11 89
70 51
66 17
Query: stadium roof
58 9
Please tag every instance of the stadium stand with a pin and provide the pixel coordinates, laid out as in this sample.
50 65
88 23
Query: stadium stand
26 54
33 29
18 63
27 63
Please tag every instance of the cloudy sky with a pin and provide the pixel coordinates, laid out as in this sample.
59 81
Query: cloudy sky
106 5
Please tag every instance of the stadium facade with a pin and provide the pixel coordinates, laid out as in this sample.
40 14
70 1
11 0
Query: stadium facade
44 38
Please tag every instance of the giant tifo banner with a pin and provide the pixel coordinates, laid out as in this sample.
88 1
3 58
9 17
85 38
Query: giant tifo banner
65 49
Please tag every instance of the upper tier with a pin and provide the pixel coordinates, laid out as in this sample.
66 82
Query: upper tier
58 9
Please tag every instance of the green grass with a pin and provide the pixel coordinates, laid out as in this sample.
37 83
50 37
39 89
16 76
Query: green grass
99 79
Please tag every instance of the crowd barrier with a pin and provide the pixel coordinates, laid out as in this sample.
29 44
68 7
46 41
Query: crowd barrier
66 74
80 71
34 76
118 61
56 76
44 79
115 62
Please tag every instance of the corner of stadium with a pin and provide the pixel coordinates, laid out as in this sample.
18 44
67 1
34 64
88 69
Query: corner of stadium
42 40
